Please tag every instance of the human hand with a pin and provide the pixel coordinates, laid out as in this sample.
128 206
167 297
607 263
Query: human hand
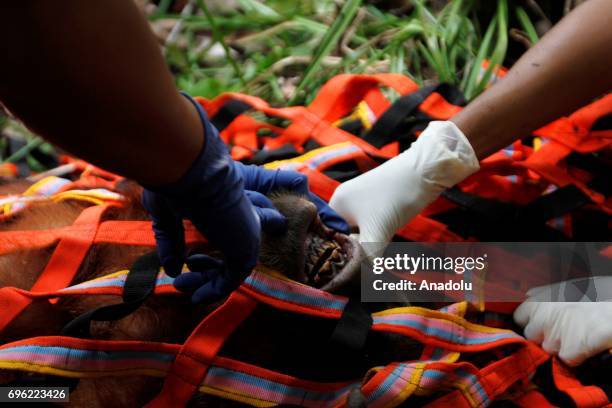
211 195
260 182
573 330
225 200
384 199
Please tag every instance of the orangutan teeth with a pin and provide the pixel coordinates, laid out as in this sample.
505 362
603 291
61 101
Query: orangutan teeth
324 259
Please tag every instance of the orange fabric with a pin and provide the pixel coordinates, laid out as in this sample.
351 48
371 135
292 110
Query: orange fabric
496 378
109 232
200 349
532 399
65 261
584 396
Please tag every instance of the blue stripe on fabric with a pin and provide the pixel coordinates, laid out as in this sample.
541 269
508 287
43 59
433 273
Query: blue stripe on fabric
115 282
474 384
296 297
277 387
422 327
387 384
165 280
435 375
438 375
89 354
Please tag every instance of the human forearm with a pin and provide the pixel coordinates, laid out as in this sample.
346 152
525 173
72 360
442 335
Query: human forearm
89 76
570 66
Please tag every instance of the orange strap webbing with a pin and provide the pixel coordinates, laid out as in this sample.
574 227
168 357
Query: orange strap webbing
199 350
518 174
74 244
584 396
63 265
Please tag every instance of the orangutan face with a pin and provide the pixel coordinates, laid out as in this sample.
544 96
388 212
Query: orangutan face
309 251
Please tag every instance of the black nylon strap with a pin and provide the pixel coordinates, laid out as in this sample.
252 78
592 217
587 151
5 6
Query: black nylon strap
228 112
286 151
352 329
544 208
491 209
139 285
383 131
388 128
553 205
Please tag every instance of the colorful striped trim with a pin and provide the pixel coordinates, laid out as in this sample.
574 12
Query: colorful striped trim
49 189
386 386
397 382
295 293
107 285
135 358
315 158
406 379
445 327
82 363
116 281
243 384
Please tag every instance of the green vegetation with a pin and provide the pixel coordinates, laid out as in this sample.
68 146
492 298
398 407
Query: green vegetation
284 51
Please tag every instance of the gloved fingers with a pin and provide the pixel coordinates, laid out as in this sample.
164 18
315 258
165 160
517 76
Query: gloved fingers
341 201
169 233
258 199
272 221
373 237
329 217
572 357
531 318
573 352
591 333
551 344
534 332
254 177
170 247
263 181
191 281
298 183
203 262
523 312
259 179
203 269
215 289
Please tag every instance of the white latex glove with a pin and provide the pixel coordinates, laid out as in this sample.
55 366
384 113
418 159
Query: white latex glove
573 330
384 199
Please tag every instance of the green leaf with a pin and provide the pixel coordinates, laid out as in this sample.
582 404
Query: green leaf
526 24
329 41
258 7
218 36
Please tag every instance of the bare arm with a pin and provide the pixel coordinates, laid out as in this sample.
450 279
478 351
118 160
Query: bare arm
89 76
568 68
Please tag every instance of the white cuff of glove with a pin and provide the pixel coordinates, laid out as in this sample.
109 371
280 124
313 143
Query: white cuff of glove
384 199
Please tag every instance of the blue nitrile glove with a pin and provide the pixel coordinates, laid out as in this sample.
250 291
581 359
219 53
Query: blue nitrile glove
259 182
211 195
263 182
